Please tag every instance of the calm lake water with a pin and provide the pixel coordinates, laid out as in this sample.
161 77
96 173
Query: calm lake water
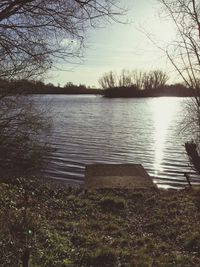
92 129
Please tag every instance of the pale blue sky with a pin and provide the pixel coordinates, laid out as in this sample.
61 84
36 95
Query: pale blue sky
119 46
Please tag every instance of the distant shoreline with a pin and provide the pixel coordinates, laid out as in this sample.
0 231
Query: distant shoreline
26 87
164 91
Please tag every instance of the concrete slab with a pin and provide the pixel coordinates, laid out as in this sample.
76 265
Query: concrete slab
128 176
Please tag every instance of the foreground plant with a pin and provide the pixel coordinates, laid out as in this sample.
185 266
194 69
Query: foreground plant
47 225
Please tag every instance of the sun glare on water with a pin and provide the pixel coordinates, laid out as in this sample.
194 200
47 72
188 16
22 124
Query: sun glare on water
163 113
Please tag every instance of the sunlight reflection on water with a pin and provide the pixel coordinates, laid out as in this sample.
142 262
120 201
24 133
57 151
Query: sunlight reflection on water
92 129
163 112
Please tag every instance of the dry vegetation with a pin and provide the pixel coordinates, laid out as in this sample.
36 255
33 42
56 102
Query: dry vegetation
64 227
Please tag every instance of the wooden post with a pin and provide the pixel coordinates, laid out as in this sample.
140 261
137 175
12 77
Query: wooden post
25 257
187 178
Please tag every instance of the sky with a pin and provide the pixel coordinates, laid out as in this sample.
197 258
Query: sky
123 46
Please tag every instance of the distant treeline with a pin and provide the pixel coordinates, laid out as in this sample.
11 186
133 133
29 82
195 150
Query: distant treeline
141 84
127 84
38 87
165 90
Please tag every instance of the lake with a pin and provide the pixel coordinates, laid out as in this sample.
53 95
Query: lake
91 129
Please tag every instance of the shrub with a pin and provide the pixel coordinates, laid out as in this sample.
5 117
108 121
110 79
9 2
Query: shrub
110 203
22 128
103 257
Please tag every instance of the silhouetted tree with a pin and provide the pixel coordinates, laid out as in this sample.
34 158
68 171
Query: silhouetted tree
184 54
154 79
109 80
21 150
137 77
125 78
34 34
141 80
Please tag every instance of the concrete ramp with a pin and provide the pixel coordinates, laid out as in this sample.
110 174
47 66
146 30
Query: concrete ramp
127 176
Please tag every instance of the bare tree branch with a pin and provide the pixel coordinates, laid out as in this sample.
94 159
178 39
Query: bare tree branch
34 34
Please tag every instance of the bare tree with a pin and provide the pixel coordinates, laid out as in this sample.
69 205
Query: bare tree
34 34
137 77
154 79
108 80
184 54
141 80
125 78
22 148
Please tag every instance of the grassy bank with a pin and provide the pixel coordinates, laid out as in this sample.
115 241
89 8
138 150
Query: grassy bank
61 227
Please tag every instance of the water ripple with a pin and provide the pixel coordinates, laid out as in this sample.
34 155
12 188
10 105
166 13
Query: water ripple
92 129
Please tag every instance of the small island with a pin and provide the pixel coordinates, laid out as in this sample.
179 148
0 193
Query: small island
48 136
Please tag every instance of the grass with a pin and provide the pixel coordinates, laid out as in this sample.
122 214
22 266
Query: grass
129 228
